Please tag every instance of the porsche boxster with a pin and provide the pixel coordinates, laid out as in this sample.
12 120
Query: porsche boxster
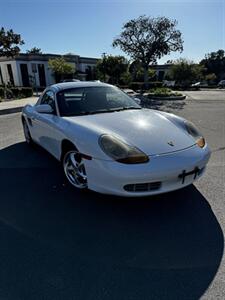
108 143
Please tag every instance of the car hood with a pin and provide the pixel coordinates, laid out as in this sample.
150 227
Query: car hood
148 130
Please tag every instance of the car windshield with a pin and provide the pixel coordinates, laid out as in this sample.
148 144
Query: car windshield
92 100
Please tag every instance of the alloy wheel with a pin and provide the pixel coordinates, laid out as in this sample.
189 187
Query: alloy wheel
74 169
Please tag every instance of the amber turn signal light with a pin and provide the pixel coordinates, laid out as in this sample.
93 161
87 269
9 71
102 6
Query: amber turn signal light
201 142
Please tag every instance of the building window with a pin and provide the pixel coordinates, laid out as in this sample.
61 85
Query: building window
89 73
1 78
41 72
161 75
11 79
24 75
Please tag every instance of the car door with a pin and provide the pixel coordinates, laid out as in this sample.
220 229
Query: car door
47 126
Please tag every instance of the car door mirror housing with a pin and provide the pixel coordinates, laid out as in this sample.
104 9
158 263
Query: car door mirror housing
44 109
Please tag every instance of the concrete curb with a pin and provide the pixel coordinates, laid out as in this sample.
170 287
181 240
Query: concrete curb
12 110
168 98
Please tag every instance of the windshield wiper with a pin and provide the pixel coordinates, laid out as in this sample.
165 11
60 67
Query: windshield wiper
105 110
129 107
113 109
102 111
99 111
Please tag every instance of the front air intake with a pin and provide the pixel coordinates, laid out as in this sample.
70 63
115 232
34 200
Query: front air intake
143 187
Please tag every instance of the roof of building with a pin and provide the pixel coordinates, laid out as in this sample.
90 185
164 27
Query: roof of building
159 67
47 56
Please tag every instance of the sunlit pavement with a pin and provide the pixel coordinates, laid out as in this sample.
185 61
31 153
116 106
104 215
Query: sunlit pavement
59 243
206 94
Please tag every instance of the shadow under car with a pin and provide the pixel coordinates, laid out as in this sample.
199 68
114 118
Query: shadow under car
60 243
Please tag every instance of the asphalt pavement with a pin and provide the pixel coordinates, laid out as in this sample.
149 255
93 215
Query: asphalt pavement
59 243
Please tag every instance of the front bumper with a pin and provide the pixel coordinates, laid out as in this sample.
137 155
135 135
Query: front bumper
110 177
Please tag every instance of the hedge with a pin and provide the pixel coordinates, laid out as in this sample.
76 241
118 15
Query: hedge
141 85
1 93
17 92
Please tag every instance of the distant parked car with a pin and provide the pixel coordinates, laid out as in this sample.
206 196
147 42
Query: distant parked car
200 84
130 92
197 84
221 84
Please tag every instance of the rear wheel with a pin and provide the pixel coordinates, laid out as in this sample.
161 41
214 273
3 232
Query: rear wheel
27 135
74 169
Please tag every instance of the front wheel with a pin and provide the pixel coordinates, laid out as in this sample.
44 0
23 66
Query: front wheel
74 169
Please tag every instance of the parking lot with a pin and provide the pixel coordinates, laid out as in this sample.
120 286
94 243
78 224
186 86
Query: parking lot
59 243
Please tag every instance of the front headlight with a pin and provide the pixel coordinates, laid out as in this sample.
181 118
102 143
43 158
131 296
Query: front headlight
193 131
120 151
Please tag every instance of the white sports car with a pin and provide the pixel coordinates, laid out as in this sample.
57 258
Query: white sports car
110 144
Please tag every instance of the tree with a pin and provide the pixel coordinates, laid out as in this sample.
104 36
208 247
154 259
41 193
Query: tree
147 39
210 78
9 47
126 78
113 67
185 72
152 74
9 43
34 50
214 62
61 68
137 72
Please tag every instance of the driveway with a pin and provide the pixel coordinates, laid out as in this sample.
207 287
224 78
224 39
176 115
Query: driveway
59 243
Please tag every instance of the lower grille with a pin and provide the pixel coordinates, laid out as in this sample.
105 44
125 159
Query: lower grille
143 187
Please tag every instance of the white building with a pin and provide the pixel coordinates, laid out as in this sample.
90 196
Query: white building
28 69
161 70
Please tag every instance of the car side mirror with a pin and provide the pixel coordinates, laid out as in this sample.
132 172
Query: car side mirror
137 100
44 109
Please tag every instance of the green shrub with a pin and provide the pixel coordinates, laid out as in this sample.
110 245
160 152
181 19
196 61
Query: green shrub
160 92
1 92
163 92
22 92
141 85
17 92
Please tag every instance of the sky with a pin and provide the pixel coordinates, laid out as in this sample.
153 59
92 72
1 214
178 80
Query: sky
87 28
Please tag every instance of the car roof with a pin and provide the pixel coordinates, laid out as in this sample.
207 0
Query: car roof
70 85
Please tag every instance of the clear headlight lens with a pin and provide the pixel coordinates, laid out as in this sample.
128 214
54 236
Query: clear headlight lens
193 131
120 151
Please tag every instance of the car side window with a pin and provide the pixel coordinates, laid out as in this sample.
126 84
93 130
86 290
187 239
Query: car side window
48 98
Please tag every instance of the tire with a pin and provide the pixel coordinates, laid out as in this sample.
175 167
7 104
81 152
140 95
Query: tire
27 134
74 169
